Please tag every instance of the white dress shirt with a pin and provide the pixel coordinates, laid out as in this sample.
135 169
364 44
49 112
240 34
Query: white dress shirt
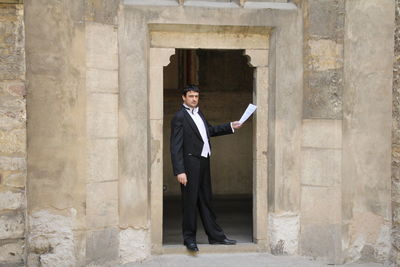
194 113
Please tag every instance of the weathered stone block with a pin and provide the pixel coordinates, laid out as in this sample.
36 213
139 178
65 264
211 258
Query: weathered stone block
12 163
396 237
320 205
102 11
80 247
325 55
284 233
102 160
10 200
102 115
12 118
16 89
396 191
133 245
12 253
9 100
396 212
326 18
51 240
12 67
370 238
101 46
323 95
322 133
11 46
395 171
322 241
12 112
98 80
321 167
396 154
13 179
12 225
102 204
13 141
102 247
396 126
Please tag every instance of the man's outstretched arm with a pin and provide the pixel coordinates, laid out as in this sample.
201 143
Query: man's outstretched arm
227 128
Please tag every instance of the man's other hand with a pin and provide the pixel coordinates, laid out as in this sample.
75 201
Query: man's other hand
236 125
182 178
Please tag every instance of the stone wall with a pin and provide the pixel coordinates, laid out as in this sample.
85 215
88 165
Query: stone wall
12 135
396 141
56 97
88 131
72 74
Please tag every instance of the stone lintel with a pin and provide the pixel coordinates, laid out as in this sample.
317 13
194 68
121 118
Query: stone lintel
151 2
11 2
209 36
268 5
272 4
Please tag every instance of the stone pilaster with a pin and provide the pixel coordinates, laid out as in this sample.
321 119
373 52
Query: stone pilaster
322 129
102 219
367 125
396 141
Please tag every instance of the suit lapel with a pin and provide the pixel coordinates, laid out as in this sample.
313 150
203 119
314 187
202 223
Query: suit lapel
191 123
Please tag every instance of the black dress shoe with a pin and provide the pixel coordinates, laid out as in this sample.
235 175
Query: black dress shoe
192 246
226 241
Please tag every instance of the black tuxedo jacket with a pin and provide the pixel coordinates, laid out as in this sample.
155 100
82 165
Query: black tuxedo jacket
186 140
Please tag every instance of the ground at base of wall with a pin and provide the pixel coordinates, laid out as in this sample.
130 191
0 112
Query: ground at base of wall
237 260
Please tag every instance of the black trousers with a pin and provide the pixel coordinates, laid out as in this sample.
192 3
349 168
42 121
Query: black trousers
196 196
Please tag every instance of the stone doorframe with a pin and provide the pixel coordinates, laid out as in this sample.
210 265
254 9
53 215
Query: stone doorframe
159 57
140 107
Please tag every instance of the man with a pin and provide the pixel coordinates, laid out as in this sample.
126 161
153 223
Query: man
190 154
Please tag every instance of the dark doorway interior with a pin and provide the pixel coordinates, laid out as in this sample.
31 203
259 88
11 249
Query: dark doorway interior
226 84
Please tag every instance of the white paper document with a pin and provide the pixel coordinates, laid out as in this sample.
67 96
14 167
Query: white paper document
249 110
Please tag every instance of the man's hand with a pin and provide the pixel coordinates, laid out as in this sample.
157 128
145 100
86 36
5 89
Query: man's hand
236 125
182 178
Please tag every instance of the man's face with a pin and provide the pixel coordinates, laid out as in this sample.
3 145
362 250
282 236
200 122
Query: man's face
191 99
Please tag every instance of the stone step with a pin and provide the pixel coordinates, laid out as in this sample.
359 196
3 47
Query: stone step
206 248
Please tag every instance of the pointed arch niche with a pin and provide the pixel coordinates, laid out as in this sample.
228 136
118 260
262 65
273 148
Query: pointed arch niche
164 39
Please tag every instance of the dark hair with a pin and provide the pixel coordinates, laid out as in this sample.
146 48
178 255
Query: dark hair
188 88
